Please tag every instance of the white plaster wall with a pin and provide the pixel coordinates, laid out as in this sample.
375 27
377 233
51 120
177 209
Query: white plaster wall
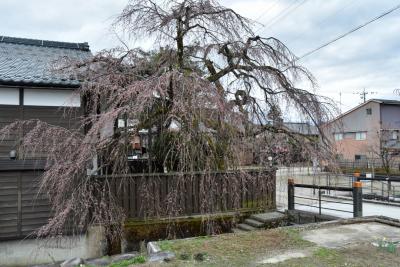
9 96
51 98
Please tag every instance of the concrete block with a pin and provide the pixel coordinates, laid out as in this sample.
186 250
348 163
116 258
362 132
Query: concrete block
268 217
98 262
246 227
152 248
72 262
96 242
161 256
123 257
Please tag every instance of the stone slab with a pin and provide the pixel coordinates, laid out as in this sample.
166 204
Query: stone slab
345 235
285 256
268 216
246 227
254 223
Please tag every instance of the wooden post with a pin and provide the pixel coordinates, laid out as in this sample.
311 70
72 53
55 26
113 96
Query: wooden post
319 200
357 199
290 194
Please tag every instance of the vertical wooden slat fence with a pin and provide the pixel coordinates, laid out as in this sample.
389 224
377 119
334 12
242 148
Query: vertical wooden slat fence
23 210
176 194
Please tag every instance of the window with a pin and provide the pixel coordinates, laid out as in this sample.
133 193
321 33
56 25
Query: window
9 96
369 111
360 157
361 135
121 123
349 136
395 135
338 136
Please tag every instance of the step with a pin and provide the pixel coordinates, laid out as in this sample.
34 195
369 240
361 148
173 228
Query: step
268 217
254 223
246 227
237 231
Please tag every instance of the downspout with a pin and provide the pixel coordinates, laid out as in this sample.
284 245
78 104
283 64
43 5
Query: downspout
380 128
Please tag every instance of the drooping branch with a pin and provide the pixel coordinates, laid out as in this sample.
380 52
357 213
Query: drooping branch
205 92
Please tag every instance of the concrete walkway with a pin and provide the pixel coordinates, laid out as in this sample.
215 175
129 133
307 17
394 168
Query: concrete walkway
344 235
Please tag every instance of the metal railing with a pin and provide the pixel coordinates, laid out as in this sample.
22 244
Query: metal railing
378 187
370 163
381 187
356 191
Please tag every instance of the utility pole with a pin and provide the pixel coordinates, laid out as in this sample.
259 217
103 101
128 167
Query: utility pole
363 94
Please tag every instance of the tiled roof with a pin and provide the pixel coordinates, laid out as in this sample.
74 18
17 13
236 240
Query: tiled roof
29 61
301 128
387 101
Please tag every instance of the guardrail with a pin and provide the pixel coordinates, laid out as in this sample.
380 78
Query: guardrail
356 190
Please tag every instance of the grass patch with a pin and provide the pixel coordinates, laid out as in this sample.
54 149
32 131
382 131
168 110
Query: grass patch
249 248
125 263
325 253
232 249
189 243
136 260
295 238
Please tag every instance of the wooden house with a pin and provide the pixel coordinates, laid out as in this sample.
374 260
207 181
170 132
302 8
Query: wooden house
30 89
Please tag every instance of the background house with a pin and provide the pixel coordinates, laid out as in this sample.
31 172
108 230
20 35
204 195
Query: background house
285 151
364 131
30 89
303 128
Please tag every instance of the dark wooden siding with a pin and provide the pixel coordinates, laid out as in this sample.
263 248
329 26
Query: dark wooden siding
8 205
51 115
22 209
9 114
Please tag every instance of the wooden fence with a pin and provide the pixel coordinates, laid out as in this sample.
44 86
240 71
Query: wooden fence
175 194
23 210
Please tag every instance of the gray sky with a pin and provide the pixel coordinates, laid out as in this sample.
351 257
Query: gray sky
368 58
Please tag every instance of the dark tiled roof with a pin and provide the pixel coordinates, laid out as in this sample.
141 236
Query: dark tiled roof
29 61
387 101
301 128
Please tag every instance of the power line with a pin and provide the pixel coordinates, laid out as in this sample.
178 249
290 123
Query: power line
285 15
349 32
322 22
269 8
278 15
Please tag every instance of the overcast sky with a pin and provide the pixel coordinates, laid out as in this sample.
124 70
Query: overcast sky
368 58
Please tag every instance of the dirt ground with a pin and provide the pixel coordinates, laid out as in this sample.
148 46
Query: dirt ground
275 247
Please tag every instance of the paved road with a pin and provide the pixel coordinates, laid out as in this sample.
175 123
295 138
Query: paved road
302 175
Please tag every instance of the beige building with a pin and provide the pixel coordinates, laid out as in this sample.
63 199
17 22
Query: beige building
363 131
